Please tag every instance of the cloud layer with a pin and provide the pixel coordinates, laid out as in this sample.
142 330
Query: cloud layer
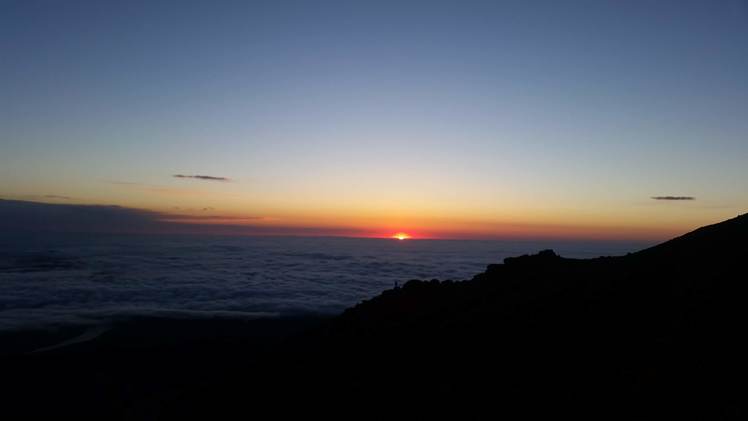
87 280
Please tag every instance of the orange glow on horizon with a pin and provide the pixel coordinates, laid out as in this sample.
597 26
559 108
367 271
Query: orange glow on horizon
238 218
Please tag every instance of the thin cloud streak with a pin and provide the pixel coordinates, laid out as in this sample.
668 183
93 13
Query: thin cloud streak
203 177
673 198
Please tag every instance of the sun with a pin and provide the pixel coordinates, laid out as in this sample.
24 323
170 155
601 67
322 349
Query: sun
401 236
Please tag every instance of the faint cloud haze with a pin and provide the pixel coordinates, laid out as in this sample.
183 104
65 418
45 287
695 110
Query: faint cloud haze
183 217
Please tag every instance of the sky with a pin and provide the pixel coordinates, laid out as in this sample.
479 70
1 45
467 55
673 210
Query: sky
461 119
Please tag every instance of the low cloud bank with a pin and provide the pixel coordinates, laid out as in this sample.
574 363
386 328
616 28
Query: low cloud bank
17 216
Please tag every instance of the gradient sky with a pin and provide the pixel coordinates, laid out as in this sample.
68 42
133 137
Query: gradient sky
442 119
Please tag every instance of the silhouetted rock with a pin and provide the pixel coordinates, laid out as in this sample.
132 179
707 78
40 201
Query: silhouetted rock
654 334
543 258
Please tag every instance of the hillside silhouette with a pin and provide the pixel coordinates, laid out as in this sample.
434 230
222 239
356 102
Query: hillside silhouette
650 335
654 334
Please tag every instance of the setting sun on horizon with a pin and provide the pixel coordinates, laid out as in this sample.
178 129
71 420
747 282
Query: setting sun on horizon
322 196
346 121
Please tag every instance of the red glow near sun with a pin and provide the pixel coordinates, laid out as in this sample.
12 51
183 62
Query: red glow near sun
401 236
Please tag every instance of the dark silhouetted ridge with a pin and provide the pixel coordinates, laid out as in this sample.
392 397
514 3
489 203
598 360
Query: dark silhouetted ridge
713 242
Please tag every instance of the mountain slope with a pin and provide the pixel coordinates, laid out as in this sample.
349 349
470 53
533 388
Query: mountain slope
717 241
651 335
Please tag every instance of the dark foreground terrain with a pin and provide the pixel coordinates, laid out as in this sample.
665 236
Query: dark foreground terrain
657 334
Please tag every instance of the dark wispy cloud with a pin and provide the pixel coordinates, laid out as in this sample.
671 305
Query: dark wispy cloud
673 198
57 196
202 177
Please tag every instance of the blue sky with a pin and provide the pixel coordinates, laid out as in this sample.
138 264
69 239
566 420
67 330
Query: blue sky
449 117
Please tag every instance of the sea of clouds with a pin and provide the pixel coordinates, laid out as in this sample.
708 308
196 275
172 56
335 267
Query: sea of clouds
54 280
